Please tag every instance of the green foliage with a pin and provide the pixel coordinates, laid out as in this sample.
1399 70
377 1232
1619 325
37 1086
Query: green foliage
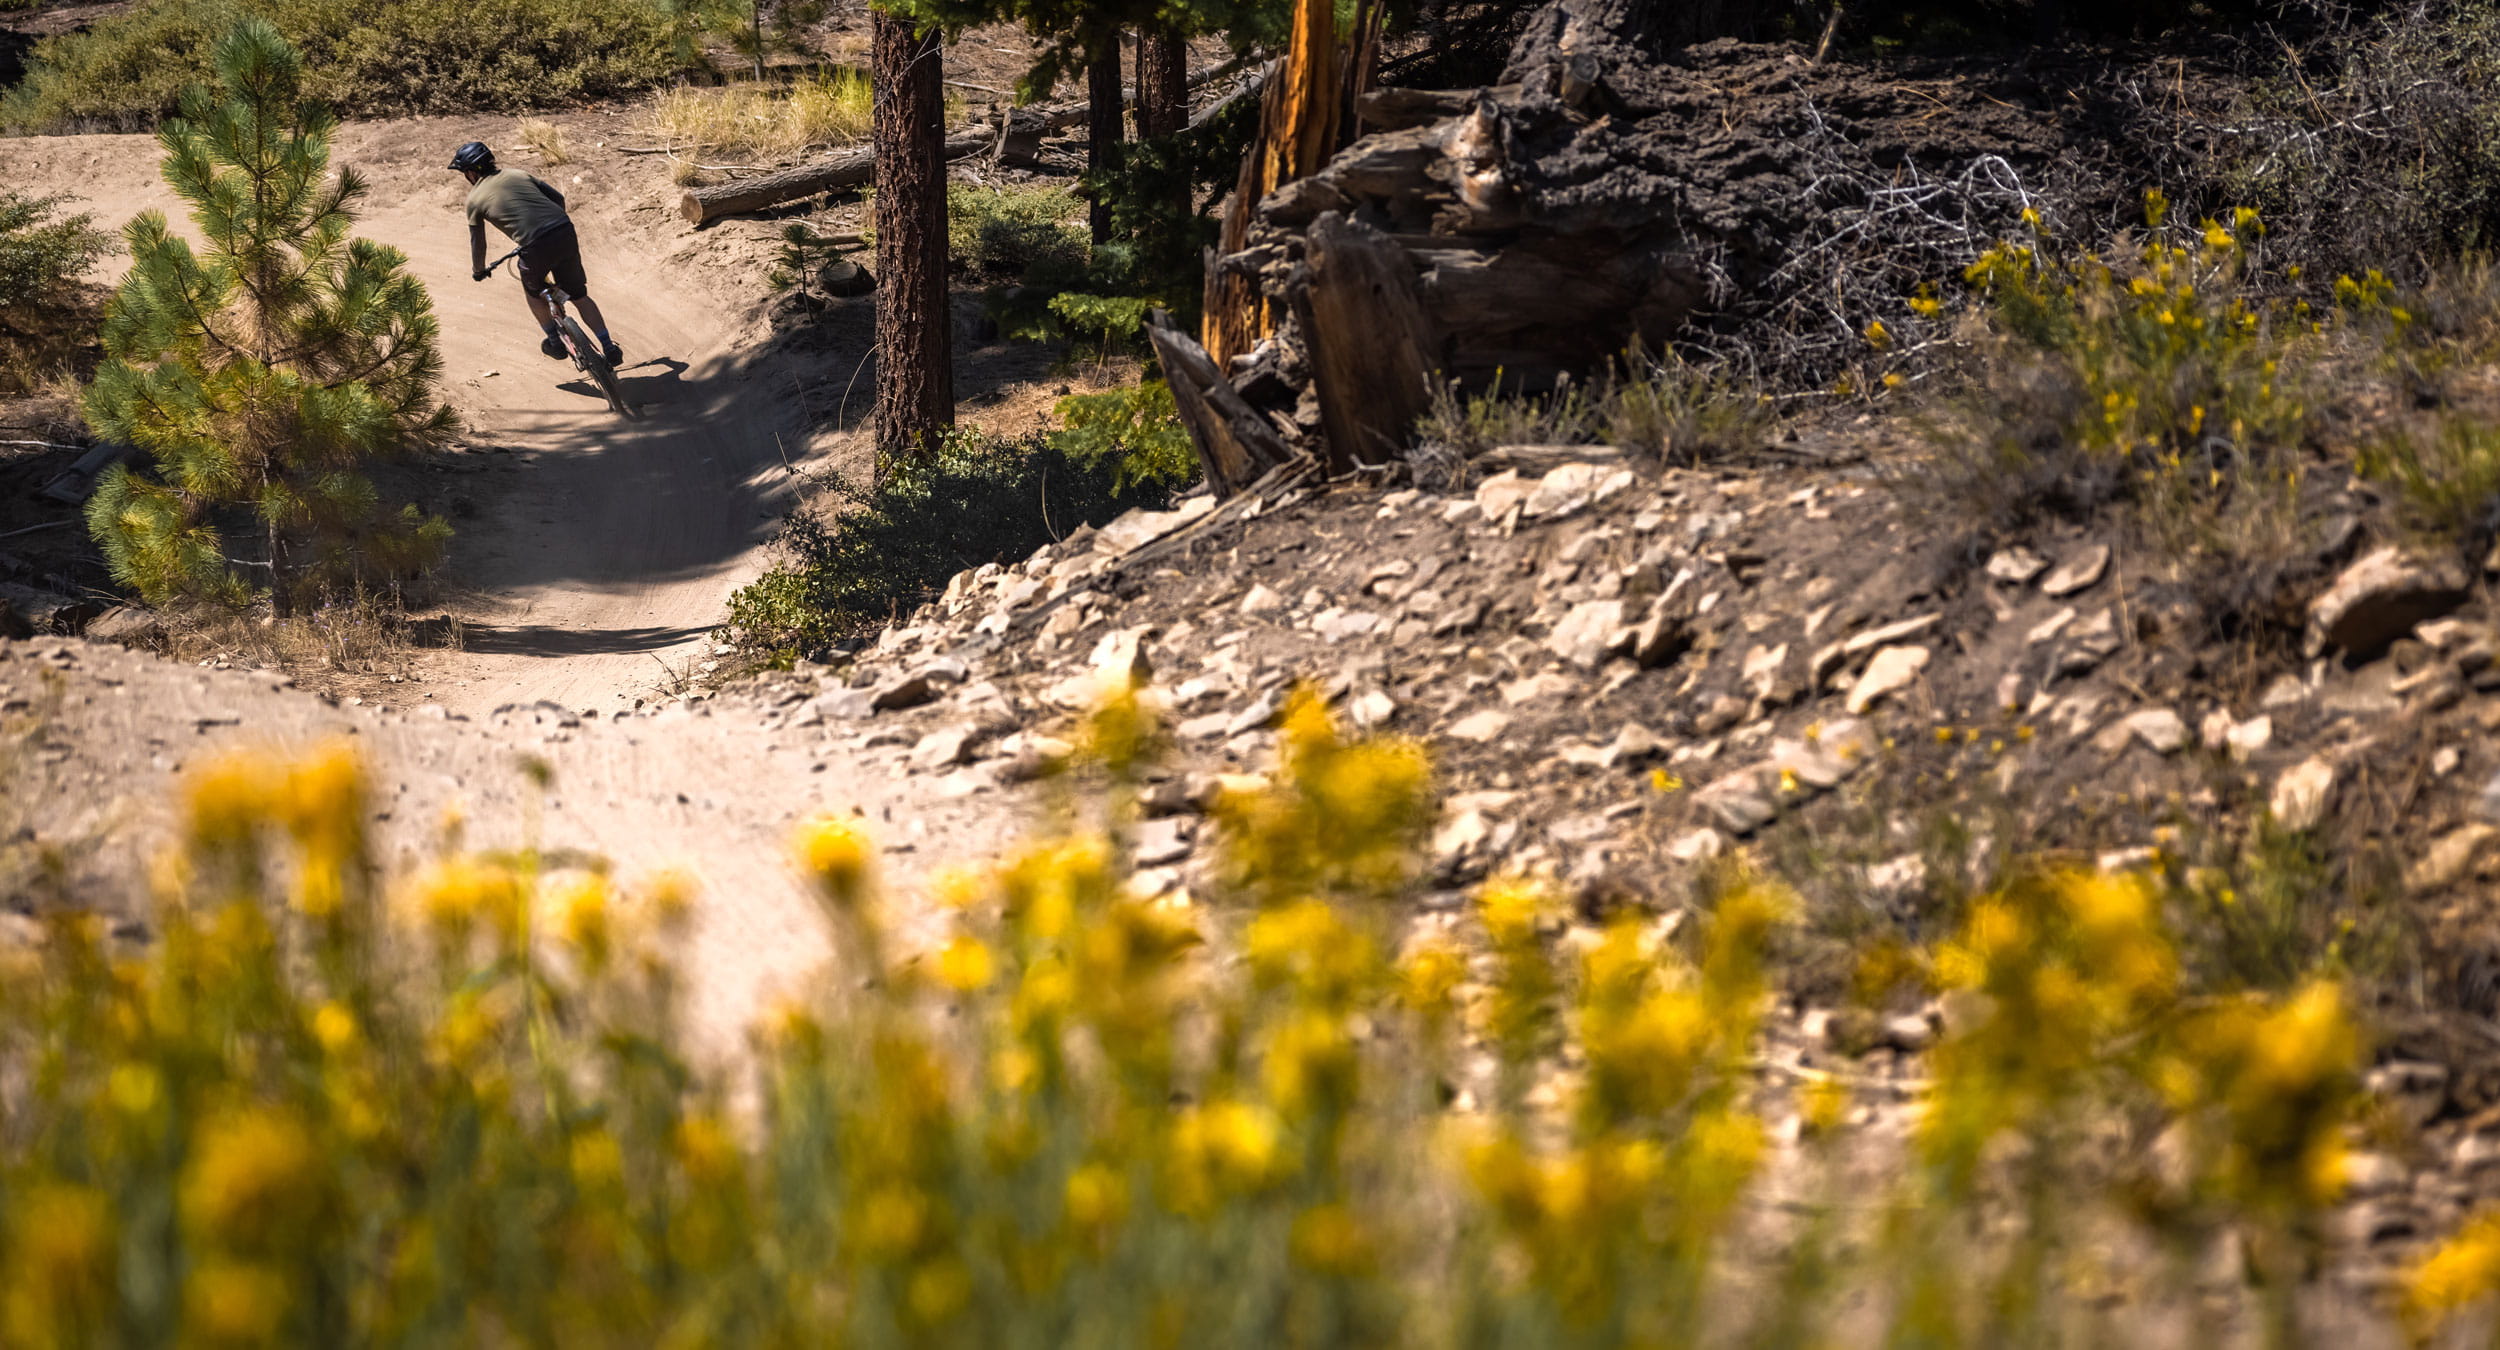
1137 429
2274 910
42 257
1004 233
799 258
887 548
264 372
2446 476
410 56
754 29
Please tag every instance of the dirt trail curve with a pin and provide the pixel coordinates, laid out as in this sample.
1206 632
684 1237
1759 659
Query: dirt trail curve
598 549
611 555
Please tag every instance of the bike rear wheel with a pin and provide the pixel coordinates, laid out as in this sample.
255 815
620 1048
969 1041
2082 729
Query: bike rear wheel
586 354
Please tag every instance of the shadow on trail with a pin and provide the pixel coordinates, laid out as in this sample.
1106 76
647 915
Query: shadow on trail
689 485
540 640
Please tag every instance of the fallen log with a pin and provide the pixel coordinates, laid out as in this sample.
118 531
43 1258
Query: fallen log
843 169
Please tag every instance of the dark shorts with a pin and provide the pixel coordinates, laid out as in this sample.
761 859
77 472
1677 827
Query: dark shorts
556 254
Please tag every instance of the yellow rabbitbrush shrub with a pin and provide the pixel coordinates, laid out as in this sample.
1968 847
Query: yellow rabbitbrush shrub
458 1111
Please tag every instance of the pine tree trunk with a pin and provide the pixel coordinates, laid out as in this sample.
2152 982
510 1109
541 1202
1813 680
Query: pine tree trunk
1102 124
1162 84
915 328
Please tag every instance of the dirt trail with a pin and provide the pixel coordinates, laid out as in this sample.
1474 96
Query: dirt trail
602 550
589 576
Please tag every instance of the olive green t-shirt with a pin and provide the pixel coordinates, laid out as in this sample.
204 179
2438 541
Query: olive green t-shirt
517 204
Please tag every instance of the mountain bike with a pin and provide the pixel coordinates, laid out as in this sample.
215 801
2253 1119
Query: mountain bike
586 354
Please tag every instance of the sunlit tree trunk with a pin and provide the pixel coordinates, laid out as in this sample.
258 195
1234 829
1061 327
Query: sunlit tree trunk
915 328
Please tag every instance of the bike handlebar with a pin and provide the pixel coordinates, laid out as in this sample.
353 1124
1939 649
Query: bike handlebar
489 269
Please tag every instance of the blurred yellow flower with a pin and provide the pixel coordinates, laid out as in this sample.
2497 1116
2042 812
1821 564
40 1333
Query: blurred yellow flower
965 964
835 851
253 1181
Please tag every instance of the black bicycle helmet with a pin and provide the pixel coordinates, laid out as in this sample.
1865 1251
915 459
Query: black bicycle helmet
474 155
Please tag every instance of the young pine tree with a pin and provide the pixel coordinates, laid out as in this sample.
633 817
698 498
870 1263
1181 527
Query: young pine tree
263 371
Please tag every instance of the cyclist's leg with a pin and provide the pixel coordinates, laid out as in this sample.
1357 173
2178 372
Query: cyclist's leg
533 274
565 263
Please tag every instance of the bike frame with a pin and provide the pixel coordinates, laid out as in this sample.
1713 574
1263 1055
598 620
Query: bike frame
555 307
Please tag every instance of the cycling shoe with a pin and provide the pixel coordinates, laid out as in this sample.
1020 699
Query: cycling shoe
553 347
614 356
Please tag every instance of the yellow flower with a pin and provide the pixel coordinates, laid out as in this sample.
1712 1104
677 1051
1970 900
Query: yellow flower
62 1244
938 1290
334 1026
1510 907
455 892
1095 1197
580 902
1662 781
253 1181
234 1303
1878 336
965 964
1894 379
2463 1271
1429 980
706 1150
836 852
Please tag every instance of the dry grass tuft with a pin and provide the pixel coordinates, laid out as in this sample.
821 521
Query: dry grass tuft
764 121
546 140
354 642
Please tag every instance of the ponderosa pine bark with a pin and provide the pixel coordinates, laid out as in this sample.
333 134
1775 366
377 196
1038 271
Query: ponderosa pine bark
1105 109
915 327
1162 83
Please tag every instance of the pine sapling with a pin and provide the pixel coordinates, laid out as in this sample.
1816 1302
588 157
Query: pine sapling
263 372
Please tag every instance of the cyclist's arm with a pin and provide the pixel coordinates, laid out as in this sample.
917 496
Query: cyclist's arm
477 247
549 189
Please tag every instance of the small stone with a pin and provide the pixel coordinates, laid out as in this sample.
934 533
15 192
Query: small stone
2300 795
1213 726
1538 688
1496 496
945 747
1890 633
1908 1033
2050 627
2159 728
2379 599
1659 638
2249 737
1890 671
2449 858
2079 571
2416 1088
1564 489
1259 712
1632 744
1589 633
2368 1174
2285 691
903 691
1261 599
1120 659
2015 566
1165 841
1699 844
1737 802
1372 709
1461 837
1459 618
1481 726
2444 761
1762 666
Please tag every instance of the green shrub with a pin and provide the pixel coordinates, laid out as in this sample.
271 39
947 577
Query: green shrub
42 258
2160 376
411 56
2447 478
888 548
1001 233
1137 430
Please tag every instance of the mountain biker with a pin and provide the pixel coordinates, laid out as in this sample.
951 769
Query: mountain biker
531 214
